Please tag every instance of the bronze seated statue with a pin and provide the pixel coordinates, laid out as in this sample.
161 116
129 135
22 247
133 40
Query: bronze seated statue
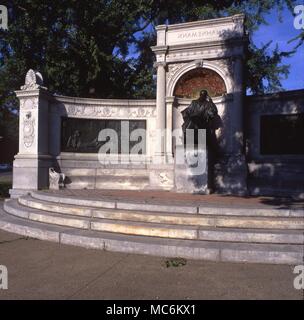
200 114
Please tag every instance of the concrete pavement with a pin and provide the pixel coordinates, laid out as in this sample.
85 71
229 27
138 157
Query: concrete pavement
44 270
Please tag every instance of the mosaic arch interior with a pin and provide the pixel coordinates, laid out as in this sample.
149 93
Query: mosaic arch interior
190 84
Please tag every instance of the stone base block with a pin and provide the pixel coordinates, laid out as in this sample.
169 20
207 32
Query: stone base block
191 176
231 175
31 172
161 177
16 193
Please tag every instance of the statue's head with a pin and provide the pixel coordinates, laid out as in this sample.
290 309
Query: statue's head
76 133
203 95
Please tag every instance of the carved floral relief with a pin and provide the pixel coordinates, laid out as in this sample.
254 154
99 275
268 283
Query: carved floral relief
28 130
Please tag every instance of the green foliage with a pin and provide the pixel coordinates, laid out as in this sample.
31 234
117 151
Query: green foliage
175 262
265 70
299 39
73 44
82 48
4 189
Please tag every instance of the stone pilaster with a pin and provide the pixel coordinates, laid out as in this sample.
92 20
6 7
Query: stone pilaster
237 120
231 170
160 172
169 128
31 164
161 109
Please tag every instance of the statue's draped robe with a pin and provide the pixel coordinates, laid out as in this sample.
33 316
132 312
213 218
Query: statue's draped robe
199 115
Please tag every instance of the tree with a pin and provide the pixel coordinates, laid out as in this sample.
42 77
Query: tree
83 48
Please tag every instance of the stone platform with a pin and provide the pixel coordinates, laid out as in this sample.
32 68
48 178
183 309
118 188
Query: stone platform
210 227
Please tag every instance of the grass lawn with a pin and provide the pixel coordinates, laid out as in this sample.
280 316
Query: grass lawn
5 184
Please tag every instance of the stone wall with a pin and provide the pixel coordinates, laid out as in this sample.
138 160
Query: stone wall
279 173
40 148
40 141
93 170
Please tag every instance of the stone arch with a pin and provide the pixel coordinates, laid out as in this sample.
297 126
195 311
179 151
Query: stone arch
192 82
223 75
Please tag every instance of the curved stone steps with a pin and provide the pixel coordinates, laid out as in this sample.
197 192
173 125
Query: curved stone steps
190 249
110 203
82 211
210 231
16 209
114 203
227 221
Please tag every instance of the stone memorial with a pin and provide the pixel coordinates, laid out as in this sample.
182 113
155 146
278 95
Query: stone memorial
196 58
201 134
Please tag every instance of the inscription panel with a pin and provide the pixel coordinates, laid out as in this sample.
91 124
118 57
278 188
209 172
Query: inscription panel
202 34
282 134
83 135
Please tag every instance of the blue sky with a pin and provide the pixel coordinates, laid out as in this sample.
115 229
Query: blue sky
281 33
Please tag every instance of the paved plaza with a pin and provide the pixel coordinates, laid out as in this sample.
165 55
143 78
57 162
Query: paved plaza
44 270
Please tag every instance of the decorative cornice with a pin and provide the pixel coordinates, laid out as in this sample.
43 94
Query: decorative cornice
159 64
170 99
34 93
160 49
161 27
124 103
101 112
210 22
292 94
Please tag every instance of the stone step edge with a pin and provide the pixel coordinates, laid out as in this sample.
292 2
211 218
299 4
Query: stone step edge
88 211
108 202
216 222
123 221
202 250
165 231
130 216
85 221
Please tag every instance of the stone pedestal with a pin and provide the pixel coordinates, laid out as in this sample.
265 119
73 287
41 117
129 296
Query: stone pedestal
31 164
231 175
191 170
161 176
